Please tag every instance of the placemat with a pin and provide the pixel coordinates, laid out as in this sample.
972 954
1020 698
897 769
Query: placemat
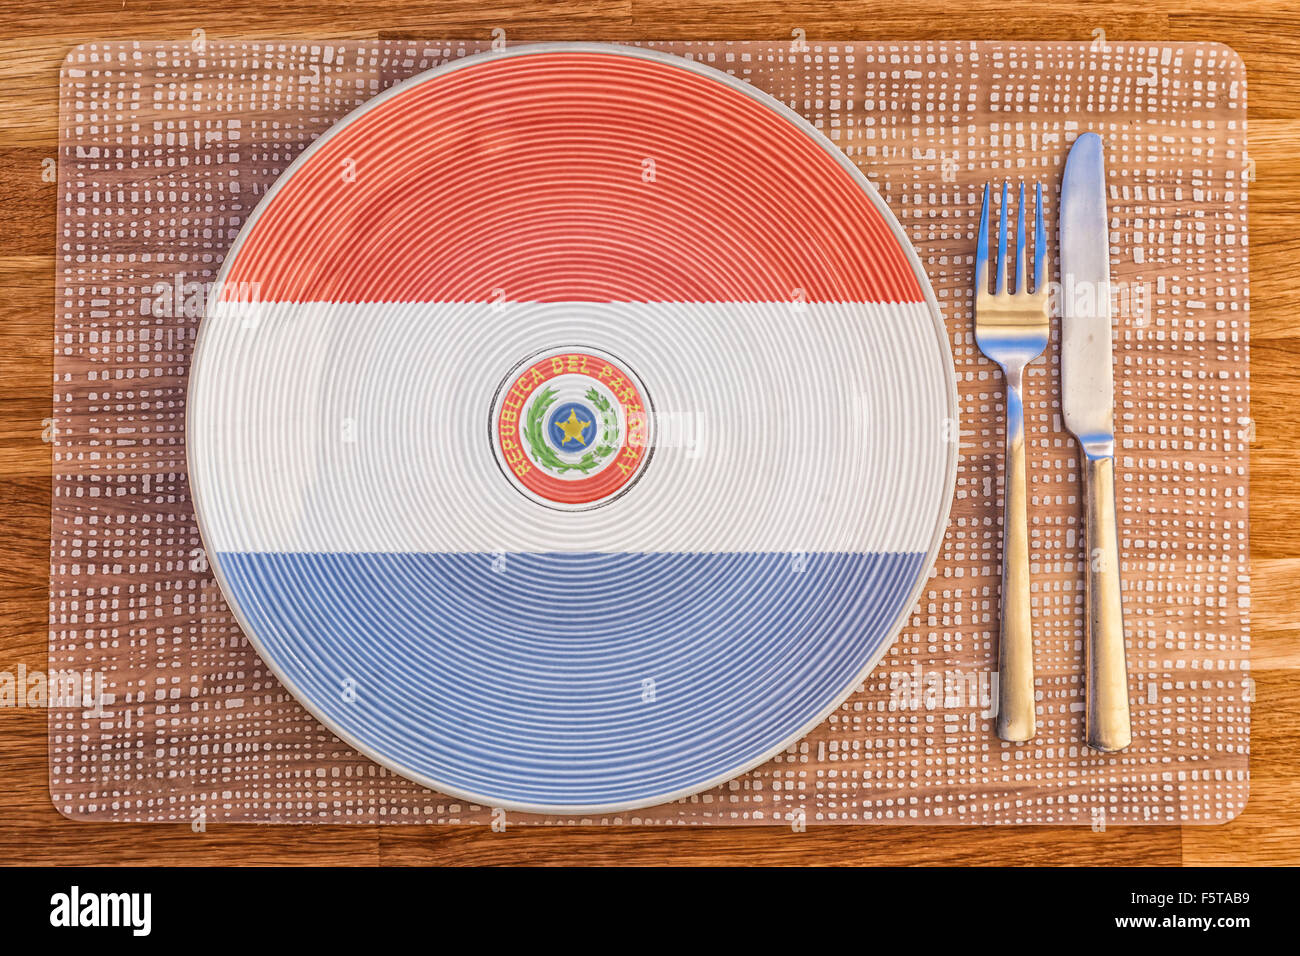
161 711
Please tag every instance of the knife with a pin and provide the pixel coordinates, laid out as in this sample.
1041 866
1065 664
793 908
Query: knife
1088 403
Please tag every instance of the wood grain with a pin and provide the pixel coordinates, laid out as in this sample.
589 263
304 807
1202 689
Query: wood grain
33 41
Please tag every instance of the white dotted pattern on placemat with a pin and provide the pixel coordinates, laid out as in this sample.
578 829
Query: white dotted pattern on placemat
166 149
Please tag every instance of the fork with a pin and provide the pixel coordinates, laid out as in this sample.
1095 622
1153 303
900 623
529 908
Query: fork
1011 329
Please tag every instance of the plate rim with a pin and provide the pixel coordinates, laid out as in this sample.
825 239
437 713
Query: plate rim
860 179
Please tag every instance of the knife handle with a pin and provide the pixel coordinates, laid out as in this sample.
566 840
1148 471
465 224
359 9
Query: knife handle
1108 726
1016 718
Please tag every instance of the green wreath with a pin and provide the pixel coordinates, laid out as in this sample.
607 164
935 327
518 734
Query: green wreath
545 455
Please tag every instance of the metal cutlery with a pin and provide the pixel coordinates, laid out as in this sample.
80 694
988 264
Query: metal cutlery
1087 402
1011 329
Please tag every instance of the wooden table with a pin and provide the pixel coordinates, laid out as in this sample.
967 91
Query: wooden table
33 41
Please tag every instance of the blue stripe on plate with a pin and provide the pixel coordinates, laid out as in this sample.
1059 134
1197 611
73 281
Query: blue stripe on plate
570 680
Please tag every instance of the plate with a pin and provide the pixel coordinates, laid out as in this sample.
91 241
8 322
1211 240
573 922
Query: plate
573 428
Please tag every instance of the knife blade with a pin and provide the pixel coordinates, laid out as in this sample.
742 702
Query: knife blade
1087 379
1088 407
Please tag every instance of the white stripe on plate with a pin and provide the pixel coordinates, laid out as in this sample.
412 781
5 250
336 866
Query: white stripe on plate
326 427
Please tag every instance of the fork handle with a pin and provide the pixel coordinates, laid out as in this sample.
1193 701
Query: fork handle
1108 726
1016 718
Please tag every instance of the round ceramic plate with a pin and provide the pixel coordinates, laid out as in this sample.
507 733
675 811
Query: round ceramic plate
573 429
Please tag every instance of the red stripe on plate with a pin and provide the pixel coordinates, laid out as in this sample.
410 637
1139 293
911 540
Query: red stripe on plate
571 177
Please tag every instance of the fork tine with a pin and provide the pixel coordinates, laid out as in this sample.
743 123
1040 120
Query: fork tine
982 248
1001 275
1021 278
1040 243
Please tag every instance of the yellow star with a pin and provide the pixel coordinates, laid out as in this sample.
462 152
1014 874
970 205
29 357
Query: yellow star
572 428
